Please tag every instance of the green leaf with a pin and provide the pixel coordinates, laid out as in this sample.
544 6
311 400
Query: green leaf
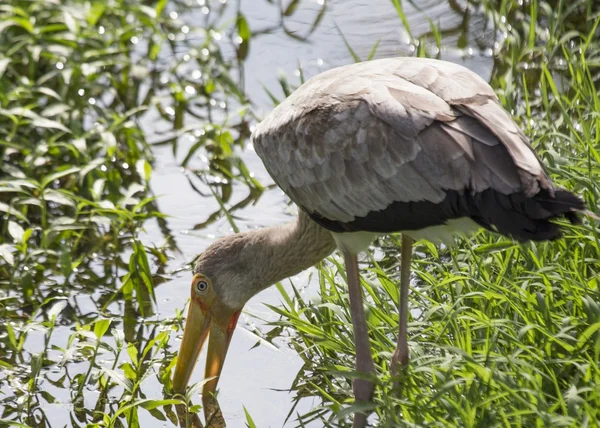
56 309
119 379
58 198
55 110
48 91
148 11
245 34
495 247
144 268
400 12
291 8
101 327
129 371
42 122
374 50
48 397
96 11
12 338
16 231
133 354
90 167
119 336
27 235
144 169
17 22
153 404
70 22
10 210
588 333
3 65
60 174
13 424
160 5
250 423
353 54
6 252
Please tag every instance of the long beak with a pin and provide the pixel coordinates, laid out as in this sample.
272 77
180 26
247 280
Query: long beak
199 323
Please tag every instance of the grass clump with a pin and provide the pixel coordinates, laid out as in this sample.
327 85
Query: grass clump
501 334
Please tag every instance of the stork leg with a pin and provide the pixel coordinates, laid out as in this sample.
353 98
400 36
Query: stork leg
400 357
363 389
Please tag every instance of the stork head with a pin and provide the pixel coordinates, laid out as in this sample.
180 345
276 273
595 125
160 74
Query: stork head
222 284
231 271
207 314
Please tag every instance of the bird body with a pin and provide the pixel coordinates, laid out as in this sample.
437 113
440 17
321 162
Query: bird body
404 144
417 146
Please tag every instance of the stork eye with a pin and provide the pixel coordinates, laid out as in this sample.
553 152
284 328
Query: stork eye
201 286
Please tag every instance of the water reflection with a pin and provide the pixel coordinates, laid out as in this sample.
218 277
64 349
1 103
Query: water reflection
188 419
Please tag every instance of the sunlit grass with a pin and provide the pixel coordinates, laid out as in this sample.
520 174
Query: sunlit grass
501 334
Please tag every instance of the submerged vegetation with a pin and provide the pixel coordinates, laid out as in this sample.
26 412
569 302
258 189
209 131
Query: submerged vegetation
78 80
501 334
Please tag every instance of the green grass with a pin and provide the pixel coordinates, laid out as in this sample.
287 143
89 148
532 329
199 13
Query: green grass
501 334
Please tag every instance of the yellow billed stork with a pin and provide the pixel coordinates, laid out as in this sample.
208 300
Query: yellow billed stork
417 146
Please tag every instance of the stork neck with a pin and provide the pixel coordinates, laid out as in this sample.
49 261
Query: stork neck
290 249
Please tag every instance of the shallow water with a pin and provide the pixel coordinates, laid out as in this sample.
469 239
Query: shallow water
254 377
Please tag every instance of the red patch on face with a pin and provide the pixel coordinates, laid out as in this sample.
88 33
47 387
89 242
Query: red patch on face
233 322
200 303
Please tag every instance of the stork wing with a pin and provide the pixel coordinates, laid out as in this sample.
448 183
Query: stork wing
412 133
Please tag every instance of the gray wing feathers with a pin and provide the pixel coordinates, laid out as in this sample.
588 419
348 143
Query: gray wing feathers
496 119
356 139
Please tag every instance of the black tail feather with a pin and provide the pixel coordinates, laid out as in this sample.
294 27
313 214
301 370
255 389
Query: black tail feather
527 218
521 217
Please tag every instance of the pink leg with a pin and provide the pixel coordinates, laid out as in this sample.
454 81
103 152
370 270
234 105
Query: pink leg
363 389
400 357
